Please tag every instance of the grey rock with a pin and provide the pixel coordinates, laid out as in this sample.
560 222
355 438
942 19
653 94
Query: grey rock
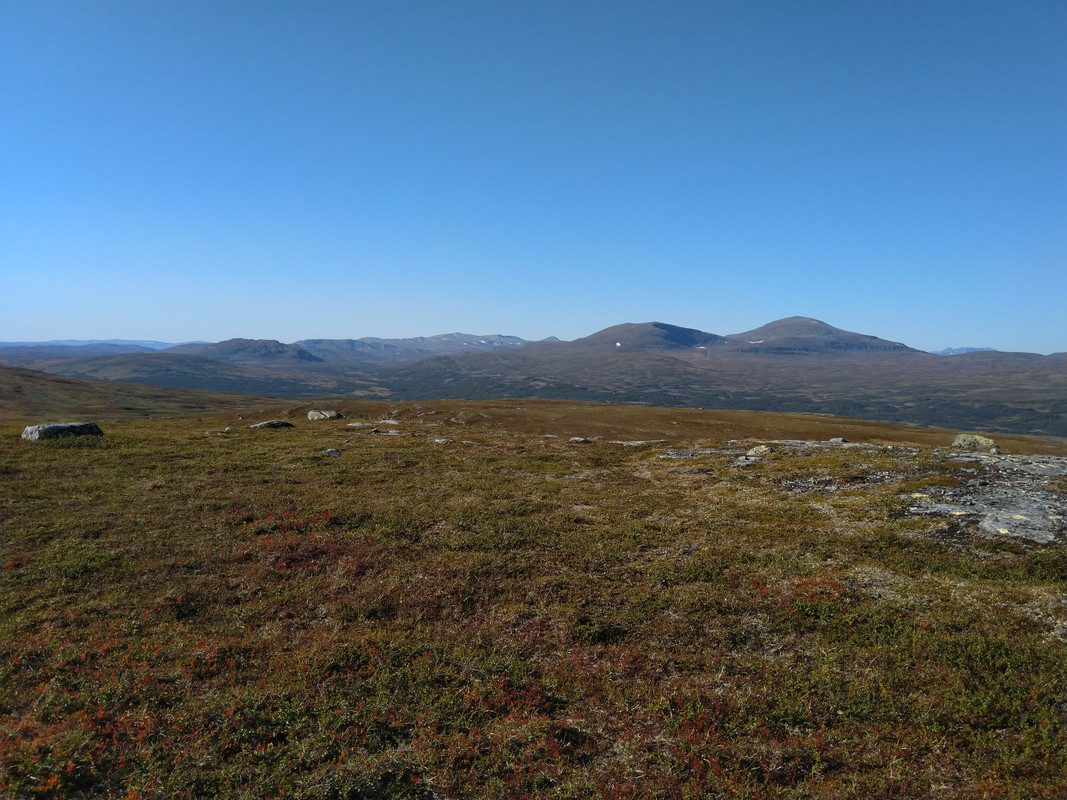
273 423
58 430
325 414
1029 518
694 452
744 461
839 440
970 441
1009 495
332 453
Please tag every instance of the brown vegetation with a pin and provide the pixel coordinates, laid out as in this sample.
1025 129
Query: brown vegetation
470 604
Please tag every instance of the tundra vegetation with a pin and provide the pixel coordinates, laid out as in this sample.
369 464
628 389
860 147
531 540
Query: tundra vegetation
470 604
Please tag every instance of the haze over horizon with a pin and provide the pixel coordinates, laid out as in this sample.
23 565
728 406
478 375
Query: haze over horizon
201 171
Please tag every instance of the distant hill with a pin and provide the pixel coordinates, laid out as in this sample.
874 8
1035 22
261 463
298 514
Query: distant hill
649 336
32 353
793 364
148 344
955 351
248 351
35 396
374 350
807 335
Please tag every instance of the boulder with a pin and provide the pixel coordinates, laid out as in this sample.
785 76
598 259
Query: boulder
58 430
333 452
970 441
273 423
313 415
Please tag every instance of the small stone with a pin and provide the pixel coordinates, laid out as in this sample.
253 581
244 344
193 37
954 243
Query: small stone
325 414
273 423
332 453
839 440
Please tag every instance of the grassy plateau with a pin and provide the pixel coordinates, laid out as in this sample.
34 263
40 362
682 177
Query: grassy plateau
469 603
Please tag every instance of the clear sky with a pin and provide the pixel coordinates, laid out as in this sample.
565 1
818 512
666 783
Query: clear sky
290 170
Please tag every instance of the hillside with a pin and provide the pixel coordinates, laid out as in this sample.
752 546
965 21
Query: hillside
33 397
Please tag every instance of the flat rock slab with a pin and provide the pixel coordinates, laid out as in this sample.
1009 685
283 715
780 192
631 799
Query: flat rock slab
1008 495
273 423
59 430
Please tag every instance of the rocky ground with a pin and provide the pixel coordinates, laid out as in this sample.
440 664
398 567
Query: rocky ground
1007 495
1020 496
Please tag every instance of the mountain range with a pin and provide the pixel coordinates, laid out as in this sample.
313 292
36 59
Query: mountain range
796 364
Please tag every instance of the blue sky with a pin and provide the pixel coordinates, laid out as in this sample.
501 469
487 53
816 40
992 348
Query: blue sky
290 170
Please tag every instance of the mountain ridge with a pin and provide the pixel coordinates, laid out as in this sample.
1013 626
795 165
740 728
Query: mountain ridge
794 364
383 348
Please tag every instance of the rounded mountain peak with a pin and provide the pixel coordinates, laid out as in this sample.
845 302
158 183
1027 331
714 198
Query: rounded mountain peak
805 334
256 350
649 336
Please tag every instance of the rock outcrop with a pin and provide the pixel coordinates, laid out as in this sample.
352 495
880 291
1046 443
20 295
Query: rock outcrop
273 423
970 441
59 430
1006 495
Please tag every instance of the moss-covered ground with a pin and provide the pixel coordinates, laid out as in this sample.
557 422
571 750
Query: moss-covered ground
479 607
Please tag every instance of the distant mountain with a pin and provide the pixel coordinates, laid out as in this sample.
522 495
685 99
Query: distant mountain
795 364
807 335
649 336
793 335
956 351
148 344
29 354
248 351
375 350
